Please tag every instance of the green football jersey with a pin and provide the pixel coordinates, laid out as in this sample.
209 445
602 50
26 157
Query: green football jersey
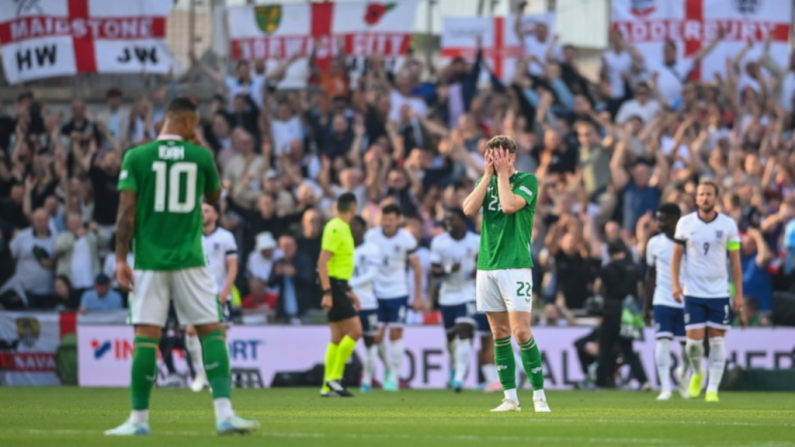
505 239
170 178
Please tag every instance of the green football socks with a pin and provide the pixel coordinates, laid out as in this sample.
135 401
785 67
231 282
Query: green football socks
144 372
216 364
531 360
505 362
344 352
332 354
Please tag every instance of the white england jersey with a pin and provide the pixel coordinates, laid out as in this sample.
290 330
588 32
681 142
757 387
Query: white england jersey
706 254
659 251
457 287
218 247
392 281
367 263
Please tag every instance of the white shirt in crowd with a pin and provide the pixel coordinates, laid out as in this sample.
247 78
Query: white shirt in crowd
659 251
392 281
34 278
219 246
670 80
397 100
283 132
706 254
367 264
633 107
539 49
82 265
259 266
253 89
457 287
616 65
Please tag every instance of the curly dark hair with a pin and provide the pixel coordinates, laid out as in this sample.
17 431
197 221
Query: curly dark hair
504 142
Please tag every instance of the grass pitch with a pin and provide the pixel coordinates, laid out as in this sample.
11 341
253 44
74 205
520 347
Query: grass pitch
298 417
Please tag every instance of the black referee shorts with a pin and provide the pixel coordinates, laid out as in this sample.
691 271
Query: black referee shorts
342 307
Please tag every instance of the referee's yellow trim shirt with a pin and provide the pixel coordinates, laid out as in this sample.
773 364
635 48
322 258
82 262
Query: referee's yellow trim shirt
338 239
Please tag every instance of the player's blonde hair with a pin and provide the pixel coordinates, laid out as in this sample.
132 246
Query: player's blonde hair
502 141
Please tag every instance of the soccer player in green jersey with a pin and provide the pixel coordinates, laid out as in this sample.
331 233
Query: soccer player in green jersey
504 287
161 187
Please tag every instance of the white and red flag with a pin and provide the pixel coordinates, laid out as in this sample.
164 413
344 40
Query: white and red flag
693 24
501 46
277 31
45 38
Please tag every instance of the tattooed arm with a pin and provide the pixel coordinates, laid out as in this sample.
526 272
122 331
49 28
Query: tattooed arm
125 228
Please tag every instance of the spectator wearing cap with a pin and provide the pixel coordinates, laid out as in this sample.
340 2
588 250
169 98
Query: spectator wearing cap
260 261
112 117
101 297
33 249
77 252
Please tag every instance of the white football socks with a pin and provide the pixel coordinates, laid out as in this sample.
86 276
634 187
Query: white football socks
685 360
368 370
695 349
223 408
383 354
511 394
490 374
662 356
463 352
396 354
194 347
717 363
139 416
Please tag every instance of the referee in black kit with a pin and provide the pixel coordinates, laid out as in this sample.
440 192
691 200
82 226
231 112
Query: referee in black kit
335 268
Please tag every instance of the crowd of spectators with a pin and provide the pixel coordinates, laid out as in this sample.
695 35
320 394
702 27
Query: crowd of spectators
607 153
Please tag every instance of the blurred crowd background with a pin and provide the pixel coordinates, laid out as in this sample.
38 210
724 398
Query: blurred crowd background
608 149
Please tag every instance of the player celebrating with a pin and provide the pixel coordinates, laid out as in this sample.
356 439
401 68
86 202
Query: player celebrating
161 186
391 288
220 249
335 268
504 277
669 317
367 262
454 260
707 238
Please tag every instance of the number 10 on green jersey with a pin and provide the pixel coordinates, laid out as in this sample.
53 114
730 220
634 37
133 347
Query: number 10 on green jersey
169 178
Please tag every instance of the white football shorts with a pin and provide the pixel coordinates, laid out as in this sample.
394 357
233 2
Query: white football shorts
193 291
504 290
